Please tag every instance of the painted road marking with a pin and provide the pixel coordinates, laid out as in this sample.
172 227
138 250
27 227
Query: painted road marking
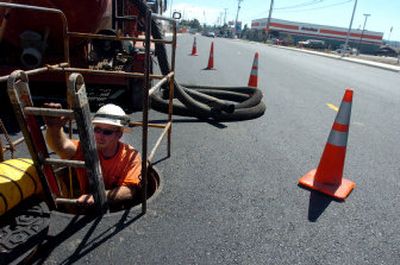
331 106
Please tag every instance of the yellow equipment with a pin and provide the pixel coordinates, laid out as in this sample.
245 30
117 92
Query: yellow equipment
18 181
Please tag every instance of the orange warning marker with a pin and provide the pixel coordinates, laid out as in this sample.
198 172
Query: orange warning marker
210 65
194 48
327 178
253 80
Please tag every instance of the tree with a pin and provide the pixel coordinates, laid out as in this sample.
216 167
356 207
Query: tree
194 24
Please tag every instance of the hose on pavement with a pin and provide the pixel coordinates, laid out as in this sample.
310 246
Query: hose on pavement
203 102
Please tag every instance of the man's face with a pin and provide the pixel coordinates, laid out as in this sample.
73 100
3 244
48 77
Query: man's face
106 135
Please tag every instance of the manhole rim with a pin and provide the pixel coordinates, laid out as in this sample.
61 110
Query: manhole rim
150 201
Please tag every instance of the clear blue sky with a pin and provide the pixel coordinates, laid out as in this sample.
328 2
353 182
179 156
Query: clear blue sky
385 14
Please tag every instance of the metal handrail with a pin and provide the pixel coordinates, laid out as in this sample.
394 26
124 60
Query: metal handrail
65 67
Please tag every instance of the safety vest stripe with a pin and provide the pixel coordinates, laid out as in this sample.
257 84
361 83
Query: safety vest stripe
338 138
343 116
340 127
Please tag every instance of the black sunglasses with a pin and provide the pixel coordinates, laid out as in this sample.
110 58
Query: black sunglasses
106 132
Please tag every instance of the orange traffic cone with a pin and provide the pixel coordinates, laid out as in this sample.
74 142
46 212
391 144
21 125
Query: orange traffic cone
210 65
253 80
327 178
194 48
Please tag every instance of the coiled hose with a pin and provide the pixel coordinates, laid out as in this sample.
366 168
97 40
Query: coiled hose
218 103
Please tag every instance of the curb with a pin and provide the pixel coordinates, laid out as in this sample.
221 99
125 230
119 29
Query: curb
358 61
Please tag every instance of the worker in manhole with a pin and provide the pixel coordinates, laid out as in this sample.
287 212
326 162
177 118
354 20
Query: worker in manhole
120 162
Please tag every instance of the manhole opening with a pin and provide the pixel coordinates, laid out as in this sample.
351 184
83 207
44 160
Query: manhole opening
153 184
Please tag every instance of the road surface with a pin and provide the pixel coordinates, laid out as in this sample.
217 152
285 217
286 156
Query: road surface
229 191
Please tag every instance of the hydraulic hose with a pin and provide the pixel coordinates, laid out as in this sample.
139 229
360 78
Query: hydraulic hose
219 103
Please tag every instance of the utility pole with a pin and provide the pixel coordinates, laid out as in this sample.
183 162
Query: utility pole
221 14
390 32
170 11
237 15
269 17
362 32
348 32
225 16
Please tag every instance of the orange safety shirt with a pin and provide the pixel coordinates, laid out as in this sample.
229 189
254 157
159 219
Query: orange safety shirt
124 168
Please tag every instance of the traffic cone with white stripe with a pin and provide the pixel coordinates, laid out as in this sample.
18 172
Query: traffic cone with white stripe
328 177
194 48
210 65
253 79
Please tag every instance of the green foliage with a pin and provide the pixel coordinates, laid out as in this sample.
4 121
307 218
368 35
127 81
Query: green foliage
194 24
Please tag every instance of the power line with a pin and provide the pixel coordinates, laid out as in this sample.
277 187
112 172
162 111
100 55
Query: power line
318 8
300 5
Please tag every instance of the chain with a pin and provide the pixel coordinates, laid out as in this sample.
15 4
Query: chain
10 143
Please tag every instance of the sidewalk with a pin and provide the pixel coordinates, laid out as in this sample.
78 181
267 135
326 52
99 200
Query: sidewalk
385 66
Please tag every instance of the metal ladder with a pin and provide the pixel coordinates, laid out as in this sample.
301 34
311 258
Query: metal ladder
26 113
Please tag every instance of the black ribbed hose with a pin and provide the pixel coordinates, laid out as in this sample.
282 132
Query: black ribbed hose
219 103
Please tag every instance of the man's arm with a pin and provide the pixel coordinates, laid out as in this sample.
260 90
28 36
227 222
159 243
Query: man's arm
120 194
60 143
114 196
55 136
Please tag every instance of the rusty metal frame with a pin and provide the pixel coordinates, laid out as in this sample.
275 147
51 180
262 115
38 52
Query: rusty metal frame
163 79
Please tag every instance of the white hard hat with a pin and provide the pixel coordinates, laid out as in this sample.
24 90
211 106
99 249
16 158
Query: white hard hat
111 114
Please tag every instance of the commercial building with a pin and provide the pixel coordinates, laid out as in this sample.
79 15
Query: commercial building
365 41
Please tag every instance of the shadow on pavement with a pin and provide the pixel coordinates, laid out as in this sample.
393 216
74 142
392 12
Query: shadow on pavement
318 203
88 243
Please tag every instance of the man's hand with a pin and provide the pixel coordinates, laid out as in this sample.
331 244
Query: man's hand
55 136
86 200
56 122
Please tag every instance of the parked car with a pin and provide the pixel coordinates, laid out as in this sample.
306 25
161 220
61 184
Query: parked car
313 44
387 51
280 42
347 50
209 34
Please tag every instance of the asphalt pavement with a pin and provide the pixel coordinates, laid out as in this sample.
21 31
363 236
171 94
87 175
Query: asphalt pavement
229 192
